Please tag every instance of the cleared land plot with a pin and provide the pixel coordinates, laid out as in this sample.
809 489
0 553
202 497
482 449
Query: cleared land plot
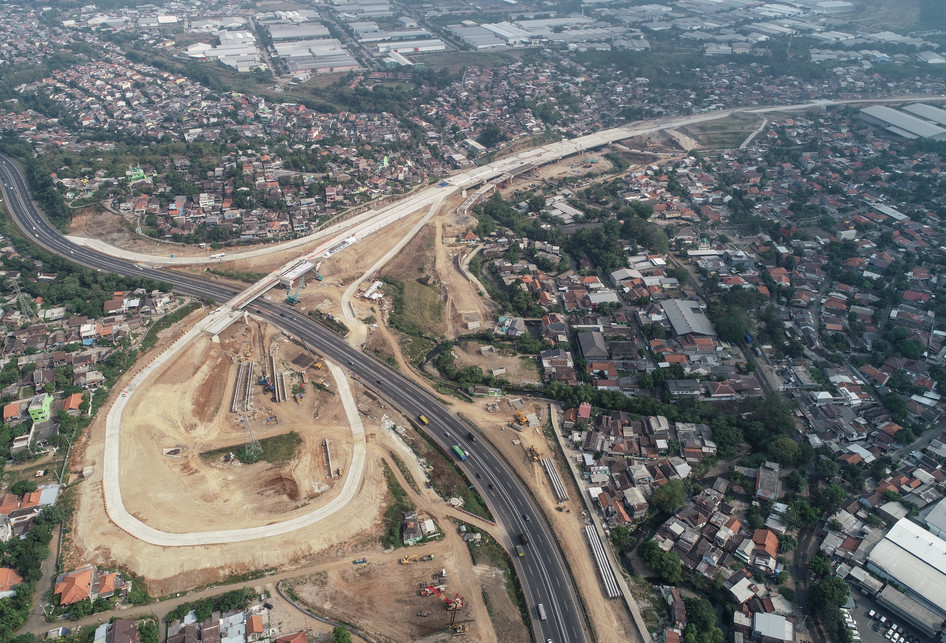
726 133
520 369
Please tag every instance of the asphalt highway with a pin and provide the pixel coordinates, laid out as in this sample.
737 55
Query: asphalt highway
542 570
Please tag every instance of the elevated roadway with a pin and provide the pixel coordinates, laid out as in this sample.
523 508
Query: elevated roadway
543 570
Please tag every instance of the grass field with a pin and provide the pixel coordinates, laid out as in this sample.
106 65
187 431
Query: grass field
418 309
277 450
457 60
726 133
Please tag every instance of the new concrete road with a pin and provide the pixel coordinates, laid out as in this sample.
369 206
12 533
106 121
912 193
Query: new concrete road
542 571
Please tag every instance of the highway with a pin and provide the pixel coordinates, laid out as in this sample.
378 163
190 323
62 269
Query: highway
543 571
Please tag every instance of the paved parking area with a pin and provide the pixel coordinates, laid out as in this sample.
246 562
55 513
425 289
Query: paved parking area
861 614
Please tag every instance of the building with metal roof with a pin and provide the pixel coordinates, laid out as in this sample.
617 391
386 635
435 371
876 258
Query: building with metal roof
687 317
916 560
901 123
772 627
931 113
936 519
920 617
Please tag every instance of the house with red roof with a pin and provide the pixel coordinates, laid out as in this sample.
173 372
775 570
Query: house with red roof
9 581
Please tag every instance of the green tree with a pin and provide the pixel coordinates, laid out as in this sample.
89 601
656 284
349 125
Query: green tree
797 480
341 635
81 609
828 593
702 624
667 564
820 564
148 632
491 135
828 499
621 537
668 497
825 468
22 486
784 450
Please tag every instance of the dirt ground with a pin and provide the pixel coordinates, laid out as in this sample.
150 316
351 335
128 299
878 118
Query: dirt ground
520 369
187 493
351 593
464 303
187 407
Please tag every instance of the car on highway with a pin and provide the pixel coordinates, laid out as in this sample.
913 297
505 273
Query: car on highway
527 518
351 363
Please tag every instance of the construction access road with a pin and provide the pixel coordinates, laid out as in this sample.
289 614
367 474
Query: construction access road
543 571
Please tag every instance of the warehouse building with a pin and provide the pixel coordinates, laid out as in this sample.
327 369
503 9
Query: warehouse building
902 124
687 317
916 560
298 32
477 36
927 112
412 46
920 617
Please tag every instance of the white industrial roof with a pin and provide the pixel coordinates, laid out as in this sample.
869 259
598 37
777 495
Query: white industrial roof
773 626
904 121
916 559
929 112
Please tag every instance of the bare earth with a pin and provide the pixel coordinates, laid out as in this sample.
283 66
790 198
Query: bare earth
188 406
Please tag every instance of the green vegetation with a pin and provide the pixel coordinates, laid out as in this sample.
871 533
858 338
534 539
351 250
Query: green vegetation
151 337
402 467
667 565
417 309
604 245
236 599
26 556
330 321
826 597
277 450
702 627
669 496
489 552
340 635
148 631
394 514
445 477
237 275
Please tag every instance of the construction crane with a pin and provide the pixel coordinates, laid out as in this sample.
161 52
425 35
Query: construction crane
520 418
292 296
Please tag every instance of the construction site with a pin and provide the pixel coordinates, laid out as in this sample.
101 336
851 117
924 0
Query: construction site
213 448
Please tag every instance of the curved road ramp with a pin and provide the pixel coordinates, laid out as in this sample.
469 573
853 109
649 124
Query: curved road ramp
136 528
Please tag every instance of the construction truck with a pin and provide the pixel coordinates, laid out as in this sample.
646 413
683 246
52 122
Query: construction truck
534 454
458 628
427 558
520 418
407 560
